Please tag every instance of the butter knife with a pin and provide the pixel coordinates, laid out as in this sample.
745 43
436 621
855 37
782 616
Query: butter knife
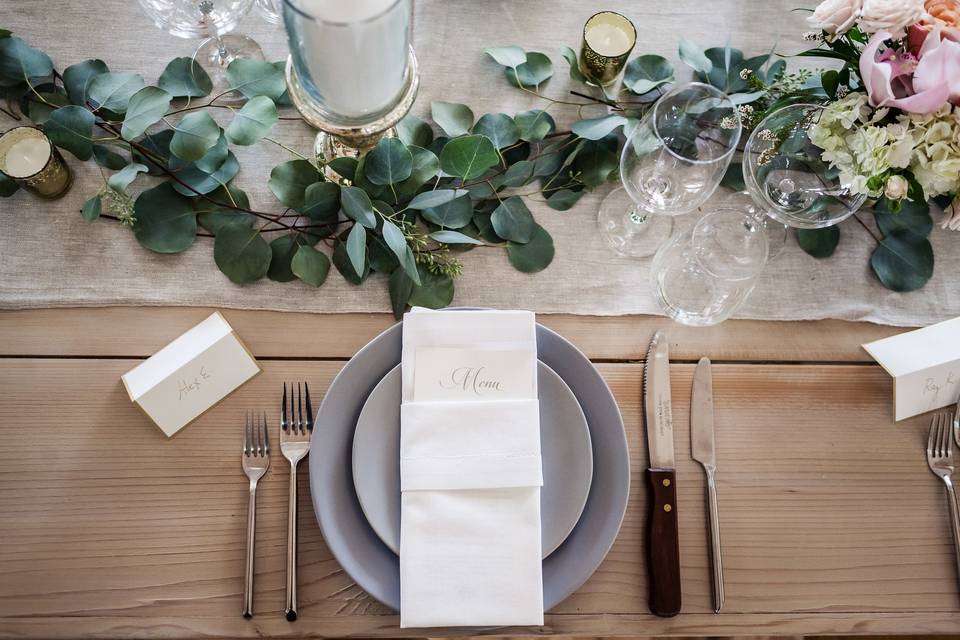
663 540
702 445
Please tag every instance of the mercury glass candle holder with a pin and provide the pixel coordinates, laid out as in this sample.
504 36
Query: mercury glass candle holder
608 39
29 158
352 72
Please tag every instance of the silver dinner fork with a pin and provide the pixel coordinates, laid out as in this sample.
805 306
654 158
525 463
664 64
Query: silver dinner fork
256 461
940 459
295 431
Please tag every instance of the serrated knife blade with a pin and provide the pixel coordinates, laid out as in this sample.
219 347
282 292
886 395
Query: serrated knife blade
663 541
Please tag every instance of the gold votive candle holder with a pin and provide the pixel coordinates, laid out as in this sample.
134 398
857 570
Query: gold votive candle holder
608 39
29 158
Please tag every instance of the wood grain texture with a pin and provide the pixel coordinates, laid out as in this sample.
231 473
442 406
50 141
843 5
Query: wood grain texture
831 521
141 331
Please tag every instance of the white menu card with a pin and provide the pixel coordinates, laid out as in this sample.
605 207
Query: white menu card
191 374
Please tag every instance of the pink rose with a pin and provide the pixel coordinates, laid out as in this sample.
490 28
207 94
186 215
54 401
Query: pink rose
888 77
939 66
892 16
836 17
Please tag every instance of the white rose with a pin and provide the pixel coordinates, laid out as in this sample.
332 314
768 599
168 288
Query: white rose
897 187
951 216
890 15
836 17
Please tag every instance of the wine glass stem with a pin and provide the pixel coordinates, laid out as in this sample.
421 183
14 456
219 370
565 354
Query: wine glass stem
637 217
223 56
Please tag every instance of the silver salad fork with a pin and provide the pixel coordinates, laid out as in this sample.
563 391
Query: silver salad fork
295 431
256 461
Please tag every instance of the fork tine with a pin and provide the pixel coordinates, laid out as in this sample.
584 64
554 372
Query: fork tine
266 435
306 389
301 427
283 409
939 436
932 438
947 435
945 449
246 436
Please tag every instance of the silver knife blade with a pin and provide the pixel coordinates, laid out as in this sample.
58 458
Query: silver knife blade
701 415
657 403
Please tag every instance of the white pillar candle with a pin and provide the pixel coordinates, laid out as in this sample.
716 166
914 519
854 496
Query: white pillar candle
356 52
26 157
609 38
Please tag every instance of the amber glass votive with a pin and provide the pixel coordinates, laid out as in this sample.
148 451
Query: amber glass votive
29 158
608 39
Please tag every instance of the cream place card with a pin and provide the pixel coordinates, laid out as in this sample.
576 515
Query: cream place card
191 374
453 374
925 365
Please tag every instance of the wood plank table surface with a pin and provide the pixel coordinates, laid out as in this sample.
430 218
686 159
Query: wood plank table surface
832 523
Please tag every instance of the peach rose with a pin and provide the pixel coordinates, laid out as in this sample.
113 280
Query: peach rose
893 16
836 17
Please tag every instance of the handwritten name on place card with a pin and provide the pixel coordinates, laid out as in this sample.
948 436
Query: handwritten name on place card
473 374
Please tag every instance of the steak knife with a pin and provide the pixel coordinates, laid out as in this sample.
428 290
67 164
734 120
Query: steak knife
703 451
663 539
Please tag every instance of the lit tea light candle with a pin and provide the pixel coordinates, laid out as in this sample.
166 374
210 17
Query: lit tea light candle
27 157
355 52
608 39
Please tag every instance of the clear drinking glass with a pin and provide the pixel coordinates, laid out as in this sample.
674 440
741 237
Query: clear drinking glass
670 165
702 275
270 10
209 19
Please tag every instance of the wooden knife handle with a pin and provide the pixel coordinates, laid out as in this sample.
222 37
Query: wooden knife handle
664 544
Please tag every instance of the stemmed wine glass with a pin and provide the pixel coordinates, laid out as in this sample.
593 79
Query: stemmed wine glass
702 276
270 10
670 165
210 19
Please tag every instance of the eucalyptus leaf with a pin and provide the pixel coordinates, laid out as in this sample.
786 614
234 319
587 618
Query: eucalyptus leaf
146 107
344 167
241 253
185 78
434 292
356 204
344 265
512 56
77 77
468 157
19 62
212 160
454 118
595 163
194 135
913 216
597 128
253 121
693 56
166 222
733 177
499 127
255 78
563 199
39 110
534 125
453 214
425 167
157 148
397 242
214 220
71 128
429 199
400 287
454 237
645 73
535 255
535 71
357 247
389 162
321 201
414 131
571 57
819 243
91 209
513 221
903 261
310 265
282 250
112 91
289 182
519 174
197 181
108 158
8 186
122 179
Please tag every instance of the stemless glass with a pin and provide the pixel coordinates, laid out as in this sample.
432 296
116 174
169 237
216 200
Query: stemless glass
670 165
209 19
702 275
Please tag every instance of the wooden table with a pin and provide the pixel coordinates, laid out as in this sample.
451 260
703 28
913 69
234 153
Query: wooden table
831 521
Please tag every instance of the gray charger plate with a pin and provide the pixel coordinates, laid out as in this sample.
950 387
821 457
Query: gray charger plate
371 564
565 446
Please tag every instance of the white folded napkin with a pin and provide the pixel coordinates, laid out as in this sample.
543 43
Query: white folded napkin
470 470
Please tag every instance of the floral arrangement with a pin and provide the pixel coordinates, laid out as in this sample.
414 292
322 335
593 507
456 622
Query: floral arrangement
892 123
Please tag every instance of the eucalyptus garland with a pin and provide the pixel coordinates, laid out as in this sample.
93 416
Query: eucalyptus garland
410 209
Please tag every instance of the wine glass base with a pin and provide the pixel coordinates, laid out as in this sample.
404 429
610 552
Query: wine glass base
215 61
629 233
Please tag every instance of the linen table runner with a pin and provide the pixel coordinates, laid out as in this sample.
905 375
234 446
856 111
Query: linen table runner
470 470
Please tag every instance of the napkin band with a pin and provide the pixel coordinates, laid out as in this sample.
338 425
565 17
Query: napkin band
470 445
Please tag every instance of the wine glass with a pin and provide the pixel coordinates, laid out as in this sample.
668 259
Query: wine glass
702 275
670 165
270 10
209 19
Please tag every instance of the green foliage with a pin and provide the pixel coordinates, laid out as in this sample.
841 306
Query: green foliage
166 221
499 127
255 78
693 56
468 157
19 62
903 261
645 73
185 78
71 128
253 121
388 163
194 135
454 118
819 243
289 182
310 265
112 91
77 77
241 254
146 107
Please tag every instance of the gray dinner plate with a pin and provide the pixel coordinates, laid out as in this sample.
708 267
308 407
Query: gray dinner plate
371 564
564 444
